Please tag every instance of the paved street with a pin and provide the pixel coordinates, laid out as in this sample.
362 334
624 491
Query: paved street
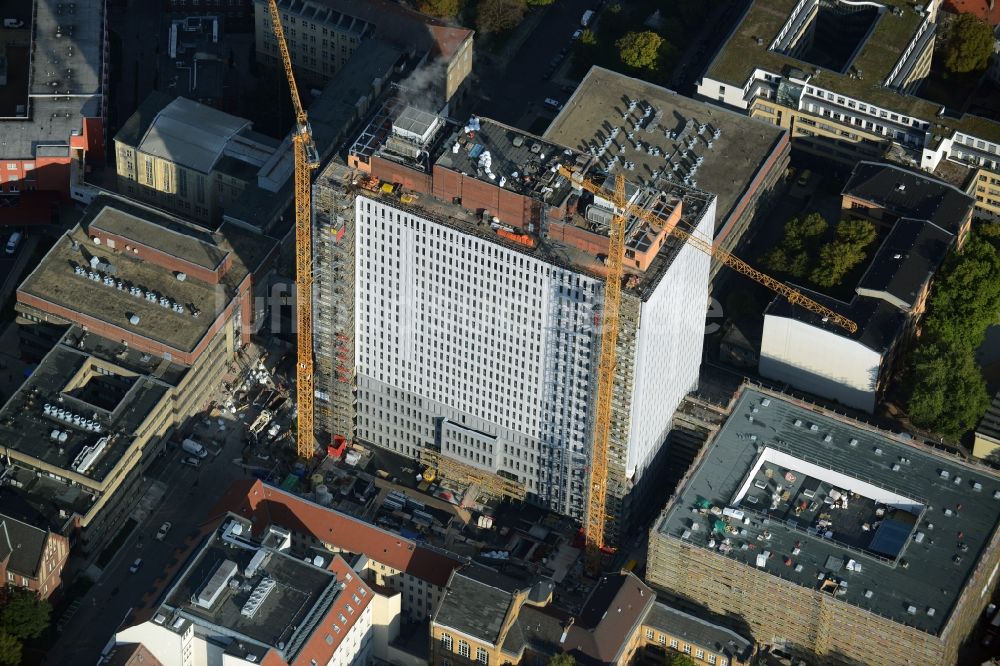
517 99
190 492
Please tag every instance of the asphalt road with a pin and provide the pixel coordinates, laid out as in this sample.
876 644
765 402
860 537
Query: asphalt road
517 91
190 493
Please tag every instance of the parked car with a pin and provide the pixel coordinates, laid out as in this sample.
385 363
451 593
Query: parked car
13 242
553 104
804 178
162 532
191 460
135 565
577 33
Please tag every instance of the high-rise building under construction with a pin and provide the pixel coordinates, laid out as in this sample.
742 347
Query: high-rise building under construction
460 281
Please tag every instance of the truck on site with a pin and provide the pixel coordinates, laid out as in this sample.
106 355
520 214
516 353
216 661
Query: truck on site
194 448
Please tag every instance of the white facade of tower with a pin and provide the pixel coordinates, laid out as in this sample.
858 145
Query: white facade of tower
490 353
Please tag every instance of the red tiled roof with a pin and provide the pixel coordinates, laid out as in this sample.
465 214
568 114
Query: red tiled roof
988 10
269 505
317 650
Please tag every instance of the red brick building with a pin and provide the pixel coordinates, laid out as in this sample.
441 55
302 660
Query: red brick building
31 558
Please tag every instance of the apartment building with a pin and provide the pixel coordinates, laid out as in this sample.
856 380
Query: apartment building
919 220
672 138
844 79
987 436
488 617
835 541
31 558
241 599
55 74
194 160
459 313
322 35
416 571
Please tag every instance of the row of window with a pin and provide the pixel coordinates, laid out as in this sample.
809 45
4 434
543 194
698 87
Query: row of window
482 655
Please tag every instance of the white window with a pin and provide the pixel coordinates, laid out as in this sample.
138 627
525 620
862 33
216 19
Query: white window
446 643
463 649
700 654
482 656
687 649
649 634
11 166
673 643
663 639
711 658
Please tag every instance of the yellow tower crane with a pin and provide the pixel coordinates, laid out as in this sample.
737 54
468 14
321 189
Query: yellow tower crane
596 516
306 159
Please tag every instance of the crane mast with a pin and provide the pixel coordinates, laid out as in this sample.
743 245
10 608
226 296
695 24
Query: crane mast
306 159
596 516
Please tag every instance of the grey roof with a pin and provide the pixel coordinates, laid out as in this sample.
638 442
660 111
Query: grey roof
23 544
909 193
132 131
121 403
731 169
54 281
191 134
68 44
476 603
697 631
879 322
906 261
302 593
918 487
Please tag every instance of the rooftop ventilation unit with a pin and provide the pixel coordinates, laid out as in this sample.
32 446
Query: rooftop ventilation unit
257 597
215 585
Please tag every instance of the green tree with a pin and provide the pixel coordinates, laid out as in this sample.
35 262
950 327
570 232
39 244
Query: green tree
23 614
588 37
640 49
969 45
562 659
677 659
499 15
540 3
846 252
791 256
10 650
441 8
966 297
949 393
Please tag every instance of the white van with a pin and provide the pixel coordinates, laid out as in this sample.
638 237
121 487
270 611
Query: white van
13 242
194 448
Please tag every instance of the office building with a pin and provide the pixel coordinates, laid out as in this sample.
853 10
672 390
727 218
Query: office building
31 558
671 138
919 220
457 312
245 599
832 540
53 95
322 35
845 81
194 160
416 571
135 316
488 617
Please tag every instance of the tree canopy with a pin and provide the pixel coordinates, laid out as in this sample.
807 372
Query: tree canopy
499 15
947 392
791 256
441 8
844 253
640 49
969 45
562 659
22 616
